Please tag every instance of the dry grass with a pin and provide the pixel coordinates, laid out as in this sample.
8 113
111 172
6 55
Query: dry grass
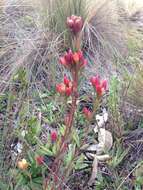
29 41
104 35
131 6
135 92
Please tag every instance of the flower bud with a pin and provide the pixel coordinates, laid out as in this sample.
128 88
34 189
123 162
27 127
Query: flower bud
78 24
95 81
68 57
63 61
23 165
100 86
76 58
39 160
54 136
87 113
66 80
70 22
80 54
68 91
71 58
65 88
60 88
75 23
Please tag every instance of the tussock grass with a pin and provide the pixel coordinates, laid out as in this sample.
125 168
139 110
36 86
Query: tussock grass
135 92
130 6
103 35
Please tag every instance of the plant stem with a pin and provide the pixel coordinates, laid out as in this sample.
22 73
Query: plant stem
57 162
75 72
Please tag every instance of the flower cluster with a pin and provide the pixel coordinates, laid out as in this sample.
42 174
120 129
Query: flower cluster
75 23
72 59
65 88
99 86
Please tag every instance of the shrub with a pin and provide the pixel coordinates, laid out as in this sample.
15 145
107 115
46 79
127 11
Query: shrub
49 164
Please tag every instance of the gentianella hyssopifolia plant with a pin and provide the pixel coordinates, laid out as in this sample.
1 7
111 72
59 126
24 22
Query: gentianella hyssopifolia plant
66 150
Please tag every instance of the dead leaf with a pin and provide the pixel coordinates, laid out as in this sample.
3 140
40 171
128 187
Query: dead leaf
103 158
94 171
101 120
105 140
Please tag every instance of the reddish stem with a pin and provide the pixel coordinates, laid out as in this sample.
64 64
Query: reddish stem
74 98
69 125
75 72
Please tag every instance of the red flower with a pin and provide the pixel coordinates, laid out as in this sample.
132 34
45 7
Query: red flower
80 54
76 57
39 160
66 80
61 88
83 61
70 22
54 136
100 86
68 91
65 88
95 81
69 56
63 61
87 113
70 59
67 59
75 23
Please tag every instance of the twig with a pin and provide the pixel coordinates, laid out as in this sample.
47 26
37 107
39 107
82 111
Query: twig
138 165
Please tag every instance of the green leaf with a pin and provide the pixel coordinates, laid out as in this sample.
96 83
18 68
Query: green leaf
38 127
80 163
138 187
62 129
34 129
118 155
3 185
139 180
38 180
30 156
36 186
76 137
54 149
21 181
70 154
45 151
